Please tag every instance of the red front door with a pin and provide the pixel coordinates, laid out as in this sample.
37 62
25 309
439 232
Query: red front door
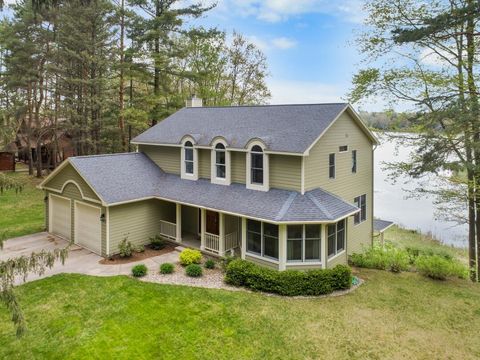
212 222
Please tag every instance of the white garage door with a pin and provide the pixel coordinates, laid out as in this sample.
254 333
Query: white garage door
88 230
60 216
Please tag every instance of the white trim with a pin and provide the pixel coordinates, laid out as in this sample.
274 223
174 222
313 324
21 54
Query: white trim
302 184
50 214
213 166
75 215
262 257
90 185
304 263
53 173
61 191
338 254
107 231
266 166
183 173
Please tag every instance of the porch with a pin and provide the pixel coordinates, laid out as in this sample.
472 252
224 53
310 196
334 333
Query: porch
209 231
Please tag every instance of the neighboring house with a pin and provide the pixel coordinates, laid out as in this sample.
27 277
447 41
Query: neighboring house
284 186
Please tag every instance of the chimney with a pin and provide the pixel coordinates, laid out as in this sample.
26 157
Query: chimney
194 102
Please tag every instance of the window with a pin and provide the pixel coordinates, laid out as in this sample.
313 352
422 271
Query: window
361 202
188 149
343 148
220 162
303 243
354 161
262 239
336 238
256 158
331 166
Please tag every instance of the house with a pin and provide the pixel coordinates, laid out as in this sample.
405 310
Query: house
284 186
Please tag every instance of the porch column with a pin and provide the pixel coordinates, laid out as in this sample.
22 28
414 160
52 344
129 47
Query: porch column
243 245
221 233
323 244
282 247
203 225
178 235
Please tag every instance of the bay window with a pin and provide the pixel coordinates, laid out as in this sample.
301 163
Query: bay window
336 238
262 239
360 202
303 243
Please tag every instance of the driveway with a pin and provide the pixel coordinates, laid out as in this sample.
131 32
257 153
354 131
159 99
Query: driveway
80 260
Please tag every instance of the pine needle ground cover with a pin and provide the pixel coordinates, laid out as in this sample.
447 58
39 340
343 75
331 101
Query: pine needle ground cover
390 316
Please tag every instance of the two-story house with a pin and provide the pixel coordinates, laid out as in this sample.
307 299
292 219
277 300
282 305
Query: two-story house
284 186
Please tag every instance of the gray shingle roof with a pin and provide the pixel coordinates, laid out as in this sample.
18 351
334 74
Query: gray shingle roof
125 177
287 128
381 225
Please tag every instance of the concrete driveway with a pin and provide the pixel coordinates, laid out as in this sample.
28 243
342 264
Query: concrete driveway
80 260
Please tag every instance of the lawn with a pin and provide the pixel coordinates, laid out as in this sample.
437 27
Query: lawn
22 213
390 316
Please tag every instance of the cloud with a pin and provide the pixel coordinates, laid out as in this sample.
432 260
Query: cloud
284 43
437 59
280 10
303 92
279 43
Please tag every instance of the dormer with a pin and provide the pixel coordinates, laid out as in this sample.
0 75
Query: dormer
189 159
220 163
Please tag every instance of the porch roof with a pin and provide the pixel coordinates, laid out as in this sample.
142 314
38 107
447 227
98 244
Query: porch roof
120 178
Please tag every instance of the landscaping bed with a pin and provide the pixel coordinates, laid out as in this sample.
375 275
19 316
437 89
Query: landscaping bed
137 256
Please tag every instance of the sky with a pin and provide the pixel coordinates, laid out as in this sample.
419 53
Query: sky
309 44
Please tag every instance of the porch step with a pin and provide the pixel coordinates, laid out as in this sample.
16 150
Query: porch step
180 248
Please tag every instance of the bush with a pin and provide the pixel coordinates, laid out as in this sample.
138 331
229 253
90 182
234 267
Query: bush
193 270
386 257
139 270
166 268
289 283
209 264
439 268
190 256
140 248
157 243
125 248
415 252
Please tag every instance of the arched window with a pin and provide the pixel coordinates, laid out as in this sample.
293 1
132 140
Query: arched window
188 149
256 165
220 161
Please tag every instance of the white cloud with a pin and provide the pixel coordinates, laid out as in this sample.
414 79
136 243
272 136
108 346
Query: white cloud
278 10
436 59
303 92
284 43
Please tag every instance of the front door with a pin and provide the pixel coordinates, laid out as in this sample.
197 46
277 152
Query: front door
212 222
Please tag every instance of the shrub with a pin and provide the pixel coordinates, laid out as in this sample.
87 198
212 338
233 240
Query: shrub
190 256
125 248
439 268
386 257
209 264
415 252
139 270
289 283
166 268
140 248
193 270
157 243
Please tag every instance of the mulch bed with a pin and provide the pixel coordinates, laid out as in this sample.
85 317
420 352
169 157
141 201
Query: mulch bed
137 256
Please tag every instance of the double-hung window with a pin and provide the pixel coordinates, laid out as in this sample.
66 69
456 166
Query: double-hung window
331 166
354 161
220 162
303 243
262 239
336 238
256 161
361 202
188 148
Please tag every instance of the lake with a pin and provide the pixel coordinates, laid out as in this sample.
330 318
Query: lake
392 201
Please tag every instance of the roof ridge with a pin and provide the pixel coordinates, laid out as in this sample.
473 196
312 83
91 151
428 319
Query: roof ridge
286 205
103 155
262 105
318 204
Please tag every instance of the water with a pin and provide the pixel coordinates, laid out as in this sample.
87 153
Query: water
392 201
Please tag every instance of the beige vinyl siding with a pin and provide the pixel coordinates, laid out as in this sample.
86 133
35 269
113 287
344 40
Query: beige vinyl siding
261 262
339 260
138 221
204 160
69 173
238 167
71 192
285 172
166 157
346 184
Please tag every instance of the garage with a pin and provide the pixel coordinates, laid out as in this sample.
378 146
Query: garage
88 228
60 216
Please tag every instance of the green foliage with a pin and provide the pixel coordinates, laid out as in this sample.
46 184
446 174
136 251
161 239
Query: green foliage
387 257
289 283
157 243
167 268
209 264
140 248
190 256
414 252
439 268
125 248
194 270
139 270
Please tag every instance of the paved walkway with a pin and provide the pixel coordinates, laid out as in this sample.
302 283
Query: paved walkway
80 261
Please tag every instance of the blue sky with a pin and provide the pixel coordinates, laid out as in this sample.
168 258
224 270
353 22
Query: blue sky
309 44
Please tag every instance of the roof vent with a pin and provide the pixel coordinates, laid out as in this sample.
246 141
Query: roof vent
194 102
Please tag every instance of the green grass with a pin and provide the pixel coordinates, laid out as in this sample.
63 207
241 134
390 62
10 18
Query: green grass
390 316
22 213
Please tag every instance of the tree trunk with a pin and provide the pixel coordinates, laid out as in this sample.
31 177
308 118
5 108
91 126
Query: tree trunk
121 120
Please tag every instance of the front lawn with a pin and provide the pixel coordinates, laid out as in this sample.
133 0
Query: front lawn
390 316
22 213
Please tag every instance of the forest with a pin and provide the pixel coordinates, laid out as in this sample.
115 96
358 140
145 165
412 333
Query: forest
100 71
